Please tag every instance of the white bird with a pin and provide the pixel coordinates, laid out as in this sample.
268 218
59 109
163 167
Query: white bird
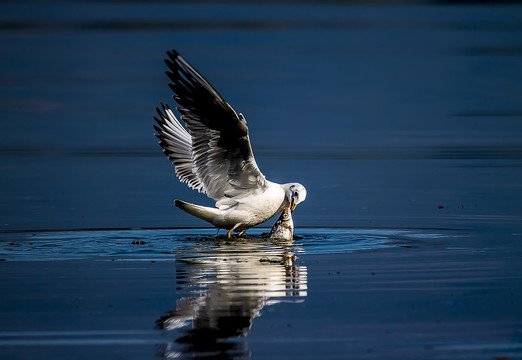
215 156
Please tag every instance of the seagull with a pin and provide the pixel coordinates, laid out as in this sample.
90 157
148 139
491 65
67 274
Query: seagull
213 155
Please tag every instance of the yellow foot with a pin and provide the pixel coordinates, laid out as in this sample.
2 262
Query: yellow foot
229 233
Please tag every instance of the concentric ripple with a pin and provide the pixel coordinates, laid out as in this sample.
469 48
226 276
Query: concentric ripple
169 244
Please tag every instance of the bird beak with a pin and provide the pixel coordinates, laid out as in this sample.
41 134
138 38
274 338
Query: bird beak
292 204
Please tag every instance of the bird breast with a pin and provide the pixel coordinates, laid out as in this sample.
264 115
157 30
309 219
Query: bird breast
259 207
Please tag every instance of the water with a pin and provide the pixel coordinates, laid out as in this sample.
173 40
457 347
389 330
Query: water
162 244
403 122
409 107
184 293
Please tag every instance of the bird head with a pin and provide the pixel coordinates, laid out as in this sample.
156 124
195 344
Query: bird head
295 194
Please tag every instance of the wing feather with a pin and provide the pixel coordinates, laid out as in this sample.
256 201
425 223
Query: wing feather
177 145
218 160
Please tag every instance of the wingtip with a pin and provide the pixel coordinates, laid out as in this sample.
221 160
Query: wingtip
160 119
172 54
164 106
162 112
158 130
171 65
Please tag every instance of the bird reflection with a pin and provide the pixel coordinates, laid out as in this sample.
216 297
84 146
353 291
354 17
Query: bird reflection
225 284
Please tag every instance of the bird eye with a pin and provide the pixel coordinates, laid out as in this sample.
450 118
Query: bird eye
296 193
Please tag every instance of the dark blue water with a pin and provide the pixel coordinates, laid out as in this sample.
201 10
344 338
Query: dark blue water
404 122
184 293
392 111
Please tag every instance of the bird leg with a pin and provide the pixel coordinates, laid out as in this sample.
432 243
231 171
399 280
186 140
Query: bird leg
229 233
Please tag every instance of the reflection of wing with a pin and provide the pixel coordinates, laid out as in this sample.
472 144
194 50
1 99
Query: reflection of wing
229 285
217 157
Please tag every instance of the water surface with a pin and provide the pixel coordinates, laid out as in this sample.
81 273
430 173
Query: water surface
403 122
185 293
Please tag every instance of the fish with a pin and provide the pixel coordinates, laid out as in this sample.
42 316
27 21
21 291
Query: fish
284 226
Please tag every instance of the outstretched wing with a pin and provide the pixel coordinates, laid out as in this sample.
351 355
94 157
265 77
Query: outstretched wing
223 165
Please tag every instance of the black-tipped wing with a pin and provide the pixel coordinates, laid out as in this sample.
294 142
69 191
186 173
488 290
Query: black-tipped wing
223 165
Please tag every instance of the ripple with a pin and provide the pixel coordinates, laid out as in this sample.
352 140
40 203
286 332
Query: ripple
170 244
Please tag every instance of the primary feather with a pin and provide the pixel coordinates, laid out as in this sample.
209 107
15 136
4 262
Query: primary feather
216 157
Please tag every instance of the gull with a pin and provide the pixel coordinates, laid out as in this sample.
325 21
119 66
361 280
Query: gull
213 155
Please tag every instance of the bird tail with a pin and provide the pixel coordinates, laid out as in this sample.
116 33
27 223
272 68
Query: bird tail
202 212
